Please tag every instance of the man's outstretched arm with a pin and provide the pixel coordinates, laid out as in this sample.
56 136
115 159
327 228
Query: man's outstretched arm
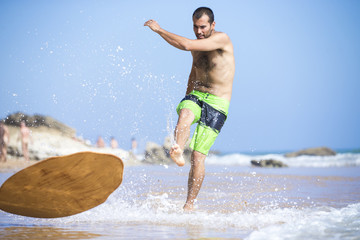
217 41
173 39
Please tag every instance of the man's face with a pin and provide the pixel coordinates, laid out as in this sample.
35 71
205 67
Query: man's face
202 27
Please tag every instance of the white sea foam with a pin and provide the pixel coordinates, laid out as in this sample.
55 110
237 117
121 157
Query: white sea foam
339 160
322 223
267 223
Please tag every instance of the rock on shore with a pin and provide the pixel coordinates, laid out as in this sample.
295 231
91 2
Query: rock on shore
49 138
319 151
268 163
36 121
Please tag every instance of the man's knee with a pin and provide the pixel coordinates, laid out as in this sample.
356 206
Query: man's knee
197 158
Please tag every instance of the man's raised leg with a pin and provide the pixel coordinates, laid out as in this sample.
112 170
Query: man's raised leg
182 134
196 177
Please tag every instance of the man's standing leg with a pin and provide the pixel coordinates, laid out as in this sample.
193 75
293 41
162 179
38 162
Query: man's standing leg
196 177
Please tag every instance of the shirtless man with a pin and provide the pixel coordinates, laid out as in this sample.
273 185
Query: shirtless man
4 140
25 138
208 93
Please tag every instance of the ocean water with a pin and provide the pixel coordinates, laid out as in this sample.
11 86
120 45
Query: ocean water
314 198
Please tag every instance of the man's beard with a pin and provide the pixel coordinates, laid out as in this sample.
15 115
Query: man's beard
205 35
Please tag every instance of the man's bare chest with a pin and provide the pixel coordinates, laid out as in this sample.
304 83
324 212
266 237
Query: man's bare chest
206 61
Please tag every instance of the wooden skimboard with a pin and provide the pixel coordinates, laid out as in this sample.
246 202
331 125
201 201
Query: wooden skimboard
62 186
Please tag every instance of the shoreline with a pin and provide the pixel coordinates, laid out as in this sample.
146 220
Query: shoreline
15 164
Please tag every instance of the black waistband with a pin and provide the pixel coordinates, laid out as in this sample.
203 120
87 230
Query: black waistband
193 98
209 116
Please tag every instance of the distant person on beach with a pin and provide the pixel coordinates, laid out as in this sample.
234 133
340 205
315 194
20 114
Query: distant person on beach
4 140
25 139
113 143
100 142
208 93
134 146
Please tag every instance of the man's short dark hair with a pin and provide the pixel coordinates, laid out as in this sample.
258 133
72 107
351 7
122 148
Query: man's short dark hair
198 13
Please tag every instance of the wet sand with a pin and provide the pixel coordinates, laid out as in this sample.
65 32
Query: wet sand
14 164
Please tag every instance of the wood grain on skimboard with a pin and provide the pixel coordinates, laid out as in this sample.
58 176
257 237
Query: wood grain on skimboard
62 186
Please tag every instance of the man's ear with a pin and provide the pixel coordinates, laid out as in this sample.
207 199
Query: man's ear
213 25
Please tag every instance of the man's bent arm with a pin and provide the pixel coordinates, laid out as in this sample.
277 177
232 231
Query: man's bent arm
214 42
173 39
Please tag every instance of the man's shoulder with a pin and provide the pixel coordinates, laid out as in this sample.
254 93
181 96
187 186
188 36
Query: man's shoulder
225 41
221 34
222 37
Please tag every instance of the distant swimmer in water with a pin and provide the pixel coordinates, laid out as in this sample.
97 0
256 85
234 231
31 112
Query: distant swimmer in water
207 96
113 143
100 142
134 146
4 140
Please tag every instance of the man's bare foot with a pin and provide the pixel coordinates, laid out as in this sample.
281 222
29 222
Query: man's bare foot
188 207
176 155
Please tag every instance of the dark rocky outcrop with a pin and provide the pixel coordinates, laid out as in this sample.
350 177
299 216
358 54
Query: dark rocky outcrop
49 138
269 163
38 121
319 151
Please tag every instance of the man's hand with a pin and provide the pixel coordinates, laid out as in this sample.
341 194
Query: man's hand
153 25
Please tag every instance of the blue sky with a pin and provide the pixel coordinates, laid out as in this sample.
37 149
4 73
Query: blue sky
93 66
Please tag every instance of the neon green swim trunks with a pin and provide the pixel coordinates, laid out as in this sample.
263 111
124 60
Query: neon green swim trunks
210 113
